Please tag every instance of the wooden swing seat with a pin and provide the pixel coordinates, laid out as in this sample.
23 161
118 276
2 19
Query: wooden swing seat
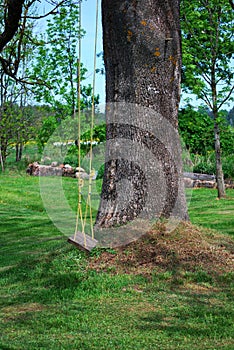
83 242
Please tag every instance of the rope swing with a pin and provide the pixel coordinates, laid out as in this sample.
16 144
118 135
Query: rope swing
80 238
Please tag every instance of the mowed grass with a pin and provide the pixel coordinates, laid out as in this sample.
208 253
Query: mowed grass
49 299
207 210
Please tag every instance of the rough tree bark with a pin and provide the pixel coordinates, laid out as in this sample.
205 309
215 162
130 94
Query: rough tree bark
142 53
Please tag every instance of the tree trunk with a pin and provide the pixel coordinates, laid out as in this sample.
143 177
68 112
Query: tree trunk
1 160
219 168
13 14
18 151
143 167
3 146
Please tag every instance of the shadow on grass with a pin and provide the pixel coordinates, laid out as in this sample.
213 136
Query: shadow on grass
24 233
38 277
199 316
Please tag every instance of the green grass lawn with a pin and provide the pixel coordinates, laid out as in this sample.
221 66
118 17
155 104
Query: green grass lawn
50 300
206 210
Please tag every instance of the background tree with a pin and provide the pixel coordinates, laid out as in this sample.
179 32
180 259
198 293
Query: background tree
16 27
196 127
46 67
12 13
196 130
56 62
13 20
207 28
15 120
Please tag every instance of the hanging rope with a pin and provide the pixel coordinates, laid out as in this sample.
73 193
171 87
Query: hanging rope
91 172
80 218
79 215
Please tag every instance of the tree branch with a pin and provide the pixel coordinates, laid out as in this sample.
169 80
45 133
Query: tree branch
226 98
48 13
8 72
22 31
206 77
232 4
13 14
205 98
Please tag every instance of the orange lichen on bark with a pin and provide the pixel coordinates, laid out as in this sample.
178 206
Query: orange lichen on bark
144 23
157 52
153 69
129 35
172 59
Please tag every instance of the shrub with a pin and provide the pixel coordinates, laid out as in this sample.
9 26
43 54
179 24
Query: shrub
206 164
228 166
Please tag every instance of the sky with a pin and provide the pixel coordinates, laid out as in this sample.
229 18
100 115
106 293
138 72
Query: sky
89 24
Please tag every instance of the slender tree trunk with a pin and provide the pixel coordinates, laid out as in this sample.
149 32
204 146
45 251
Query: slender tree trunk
1 160
142 53
18 151
3 146
219 168
21 150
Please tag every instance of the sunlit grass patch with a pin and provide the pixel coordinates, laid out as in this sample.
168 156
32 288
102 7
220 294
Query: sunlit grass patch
206 210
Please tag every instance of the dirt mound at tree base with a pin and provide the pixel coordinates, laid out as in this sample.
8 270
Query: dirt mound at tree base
187 248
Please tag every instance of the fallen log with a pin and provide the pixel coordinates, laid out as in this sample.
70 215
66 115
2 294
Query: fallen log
196 180
191 180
